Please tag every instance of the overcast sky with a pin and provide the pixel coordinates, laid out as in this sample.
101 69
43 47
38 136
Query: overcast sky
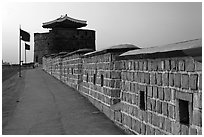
141 24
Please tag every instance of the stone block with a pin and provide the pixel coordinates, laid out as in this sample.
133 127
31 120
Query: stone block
134 99
147 78
132 87
129 122
136 65
155 92
161 93
164 108
158 106
160 65
189 64
171 79
198 66
131 76
142 77
168 125
115 74
106 111
145 66
193 82
185 81
129 65
134 126
149 105
130 110
184 130
165 79
197 100
193 131
149 131
184 96
118 116
173 65
149 65
175 128
140 114
152 78
112 115
197 118
171 111
135 111
162 123
199 131
200 81
177 80
154 65
138 127
159 79
143 128
167 94
167 65
181 65
140 65
149 91
115 93
145 116
155 120
153 103
149 117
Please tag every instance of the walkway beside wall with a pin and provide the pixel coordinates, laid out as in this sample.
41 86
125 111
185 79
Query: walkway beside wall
47 106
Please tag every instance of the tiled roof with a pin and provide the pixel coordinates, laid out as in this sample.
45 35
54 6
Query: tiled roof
65 22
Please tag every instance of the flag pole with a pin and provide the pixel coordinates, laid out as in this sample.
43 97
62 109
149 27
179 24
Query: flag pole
25 54
20 51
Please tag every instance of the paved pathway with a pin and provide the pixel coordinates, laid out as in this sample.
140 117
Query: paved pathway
46 106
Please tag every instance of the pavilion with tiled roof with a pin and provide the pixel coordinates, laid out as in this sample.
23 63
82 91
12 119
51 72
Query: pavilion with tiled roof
65 22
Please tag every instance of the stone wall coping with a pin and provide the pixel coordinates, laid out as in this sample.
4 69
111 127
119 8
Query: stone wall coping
77 52
112 49
187 48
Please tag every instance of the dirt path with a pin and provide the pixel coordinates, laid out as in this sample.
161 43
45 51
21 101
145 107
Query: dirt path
46 106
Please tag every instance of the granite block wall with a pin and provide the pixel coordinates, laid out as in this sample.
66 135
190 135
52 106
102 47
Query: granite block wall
160 96
100 82
71 70
145 93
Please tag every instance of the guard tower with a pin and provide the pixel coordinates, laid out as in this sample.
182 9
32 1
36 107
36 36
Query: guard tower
64 36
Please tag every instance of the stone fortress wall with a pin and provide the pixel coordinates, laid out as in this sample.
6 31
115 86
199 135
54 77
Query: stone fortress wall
146 91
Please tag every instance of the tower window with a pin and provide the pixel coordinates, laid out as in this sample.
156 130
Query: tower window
183 112
142 100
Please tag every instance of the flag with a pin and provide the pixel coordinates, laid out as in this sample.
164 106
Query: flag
25 35
27 47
